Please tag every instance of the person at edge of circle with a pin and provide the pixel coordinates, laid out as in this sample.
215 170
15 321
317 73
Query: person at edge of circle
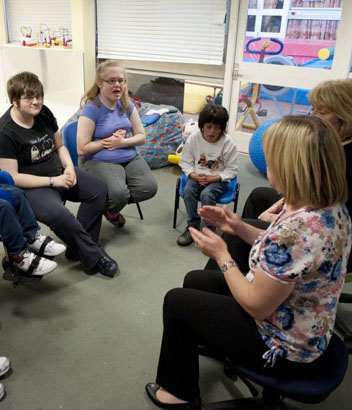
24 244
281 314
331 100
5 366
31 150
27 249
109 129
210 161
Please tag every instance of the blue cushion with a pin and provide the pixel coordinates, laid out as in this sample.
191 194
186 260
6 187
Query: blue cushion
306 382
6 178
226 197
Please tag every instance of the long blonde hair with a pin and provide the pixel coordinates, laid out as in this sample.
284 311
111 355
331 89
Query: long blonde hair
93 92
306 158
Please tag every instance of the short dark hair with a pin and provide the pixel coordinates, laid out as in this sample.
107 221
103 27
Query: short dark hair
215 114
24 84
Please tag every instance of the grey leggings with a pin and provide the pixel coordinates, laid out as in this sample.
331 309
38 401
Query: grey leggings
127 183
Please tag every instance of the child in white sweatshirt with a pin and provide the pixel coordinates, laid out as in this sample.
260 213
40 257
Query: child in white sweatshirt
209 160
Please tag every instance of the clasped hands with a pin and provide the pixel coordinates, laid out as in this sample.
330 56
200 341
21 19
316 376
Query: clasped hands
204 180
209 242
116 140
66 180
269 214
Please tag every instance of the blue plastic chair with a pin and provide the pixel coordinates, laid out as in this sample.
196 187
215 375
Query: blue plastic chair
70 141
231 194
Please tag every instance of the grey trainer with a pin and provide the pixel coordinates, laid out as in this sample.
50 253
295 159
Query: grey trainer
186 238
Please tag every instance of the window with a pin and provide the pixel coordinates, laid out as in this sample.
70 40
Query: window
268 17
182 31
306 30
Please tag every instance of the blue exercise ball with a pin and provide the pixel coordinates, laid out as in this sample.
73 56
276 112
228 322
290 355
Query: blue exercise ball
256 152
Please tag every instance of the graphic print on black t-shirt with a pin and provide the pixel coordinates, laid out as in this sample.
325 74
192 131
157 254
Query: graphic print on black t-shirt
33 148
41 147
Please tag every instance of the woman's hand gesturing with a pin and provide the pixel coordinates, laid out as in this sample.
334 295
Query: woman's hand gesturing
222 218
210 243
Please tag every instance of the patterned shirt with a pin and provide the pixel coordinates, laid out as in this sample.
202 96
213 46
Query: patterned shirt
310 247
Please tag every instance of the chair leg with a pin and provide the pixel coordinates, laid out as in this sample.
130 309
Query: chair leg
235 198
345 298
177 201
345 331
139 210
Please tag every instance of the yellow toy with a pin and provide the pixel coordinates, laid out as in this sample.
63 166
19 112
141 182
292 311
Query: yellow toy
188 128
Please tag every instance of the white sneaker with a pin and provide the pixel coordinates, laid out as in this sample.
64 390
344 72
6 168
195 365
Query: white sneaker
5 365
2 391
35 264
51 248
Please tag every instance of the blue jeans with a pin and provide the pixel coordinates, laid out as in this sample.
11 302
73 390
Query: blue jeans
207 195
17 220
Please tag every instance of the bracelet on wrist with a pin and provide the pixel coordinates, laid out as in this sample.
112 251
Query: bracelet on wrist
228 265
51 182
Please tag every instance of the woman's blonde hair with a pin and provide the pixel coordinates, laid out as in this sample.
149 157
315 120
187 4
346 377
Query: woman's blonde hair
93 92
336 97
307 161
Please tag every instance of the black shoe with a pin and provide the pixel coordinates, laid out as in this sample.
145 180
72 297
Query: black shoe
107 266
152 388
186 238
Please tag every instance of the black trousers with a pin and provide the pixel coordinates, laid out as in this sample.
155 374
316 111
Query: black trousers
257 202
203 312
80 234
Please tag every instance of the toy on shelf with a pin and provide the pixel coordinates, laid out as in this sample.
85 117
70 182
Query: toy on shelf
189 128
46 37
27 40
61 37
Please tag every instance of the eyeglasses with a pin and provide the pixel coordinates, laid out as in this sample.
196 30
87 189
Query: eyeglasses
113 81
31 99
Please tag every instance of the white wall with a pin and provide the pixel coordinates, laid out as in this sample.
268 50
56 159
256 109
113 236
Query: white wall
61 72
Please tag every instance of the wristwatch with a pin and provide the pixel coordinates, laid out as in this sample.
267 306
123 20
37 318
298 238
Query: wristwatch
51 182
228 265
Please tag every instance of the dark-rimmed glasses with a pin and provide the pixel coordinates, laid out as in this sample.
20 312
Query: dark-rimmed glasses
31 99
113 81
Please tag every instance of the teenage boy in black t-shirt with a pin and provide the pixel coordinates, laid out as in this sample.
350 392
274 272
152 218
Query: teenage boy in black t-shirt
31 150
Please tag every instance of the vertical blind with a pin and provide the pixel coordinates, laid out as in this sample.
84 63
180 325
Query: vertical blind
181 31
29 13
